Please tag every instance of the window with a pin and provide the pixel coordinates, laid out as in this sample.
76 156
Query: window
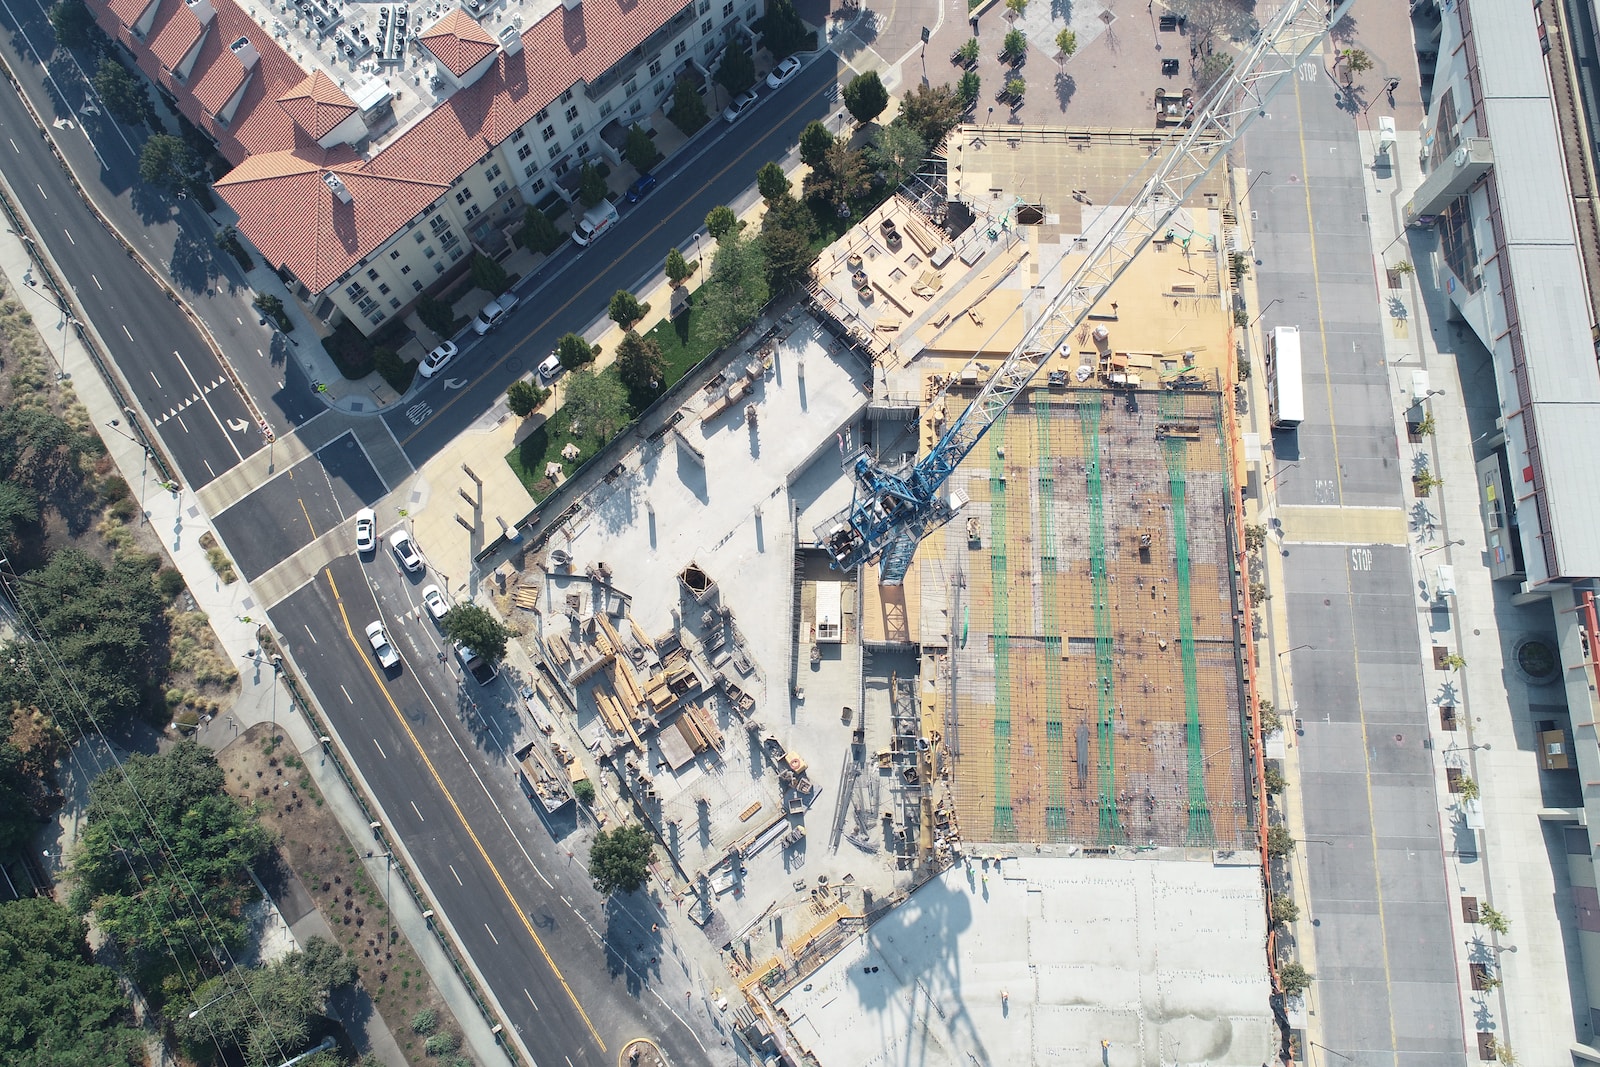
711 45
492 173
463 196
572 112
439 223
377 317
405 270
577 129
548 132
501 190
527 172
355 290
566 97
632 87
560 168
473 212
705 6
635 107
449 240
456 253
384 289
416 286
420 237
655 66
727 9
555 150
583 149
367 304
605 109
543 114
705 28
1460 243
438 268
680 48
519 135
428 253
538 187
394 302
394 253
524 152
661 87
372 275
429 210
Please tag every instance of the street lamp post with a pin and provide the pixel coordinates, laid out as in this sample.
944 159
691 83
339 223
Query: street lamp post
213 1000
1263 311
144 473
1448 544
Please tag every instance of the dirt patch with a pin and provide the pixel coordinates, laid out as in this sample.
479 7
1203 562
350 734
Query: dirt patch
311 844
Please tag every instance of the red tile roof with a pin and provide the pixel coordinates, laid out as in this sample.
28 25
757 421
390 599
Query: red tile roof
317 105
215 84
286 209
175 31
458 42
128 11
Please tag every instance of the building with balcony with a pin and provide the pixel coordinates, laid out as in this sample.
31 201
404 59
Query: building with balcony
374 146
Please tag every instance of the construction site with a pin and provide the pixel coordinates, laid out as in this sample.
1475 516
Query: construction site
1018 780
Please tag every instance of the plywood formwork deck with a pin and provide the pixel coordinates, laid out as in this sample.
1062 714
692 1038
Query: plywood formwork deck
1090 690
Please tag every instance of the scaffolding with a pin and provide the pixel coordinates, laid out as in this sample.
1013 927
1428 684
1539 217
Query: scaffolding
1005 824
1089 408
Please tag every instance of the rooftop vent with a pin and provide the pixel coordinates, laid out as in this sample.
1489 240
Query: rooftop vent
511 40
203 11
245 51
336 186
572 5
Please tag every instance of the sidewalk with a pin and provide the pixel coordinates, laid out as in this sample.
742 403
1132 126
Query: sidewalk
235 616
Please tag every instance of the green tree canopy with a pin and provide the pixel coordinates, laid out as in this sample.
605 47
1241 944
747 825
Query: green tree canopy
640 150
736 290
1014 45
591 185
619 859
72 22
786 232
17 510
640 364
815 140
782 30
476 628
1067 42
266 1013
677 268
573 351
538 232
932 111
688 107
121 92
596 404
738 70
57 1009
166 162
969 87
772 181
489 275
898 151
162 861
524 397
625 309
865 97
840 178
721 221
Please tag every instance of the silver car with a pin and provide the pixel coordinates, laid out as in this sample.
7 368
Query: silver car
381 646
405 551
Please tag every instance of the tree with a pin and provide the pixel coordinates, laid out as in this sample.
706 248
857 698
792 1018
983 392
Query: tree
266 1012
932 111
1066 42
57 1008
1016 89
524 397
596 404
436 315
967 54
1295 979
736 290
475 627
619 859
121 92
1014 46
772 182
782 31
1426 427
640 150
786 232
574 351
162 861
625 309
721 221
1284 909
1279 841
640 364
1494 920
1356 62
1214 69
17 510
865 97
688 107
1467 789
166 162
72 21
969 87
583 789
898 151
841 178
815 140
1016 7
677 268
1273 779
538 232
738 70
1454 662
591 185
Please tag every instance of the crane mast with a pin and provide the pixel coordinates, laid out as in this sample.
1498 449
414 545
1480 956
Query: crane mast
896 507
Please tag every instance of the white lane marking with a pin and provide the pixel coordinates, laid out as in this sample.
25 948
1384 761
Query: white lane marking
42 193
417 810
153 377
97 284
347 695
459 882
125 330
207 403
518 839
530 998
14 147
69 236
314 641
379 747
496 940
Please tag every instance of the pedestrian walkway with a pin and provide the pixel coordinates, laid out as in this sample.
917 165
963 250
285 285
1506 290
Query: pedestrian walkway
235 616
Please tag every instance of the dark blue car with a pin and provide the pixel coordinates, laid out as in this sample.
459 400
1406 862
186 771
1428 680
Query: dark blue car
637 190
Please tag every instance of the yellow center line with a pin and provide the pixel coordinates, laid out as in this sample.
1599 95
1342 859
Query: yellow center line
548 319
461 816
1316 287
307 514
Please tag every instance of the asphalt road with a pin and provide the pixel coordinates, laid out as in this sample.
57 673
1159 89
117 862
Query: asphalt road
575 287
1372 859
435 764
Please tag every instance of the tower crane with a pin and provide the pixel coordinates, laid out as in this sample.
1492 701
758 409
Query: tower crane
896 506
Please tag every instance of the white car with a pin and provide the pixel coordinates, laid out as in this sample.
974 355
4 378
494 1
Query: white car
741 103
493 313
550 368
434 601
435 361
366 530
381 647
783 72
405 550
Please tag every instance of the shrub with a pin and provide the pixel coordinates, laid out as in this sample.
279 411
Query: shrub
591 185
677 268
394 370
1279 841
583 789
524 397
424 1022
688 107
169 582
438 316
640 150
442 1044
865 97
